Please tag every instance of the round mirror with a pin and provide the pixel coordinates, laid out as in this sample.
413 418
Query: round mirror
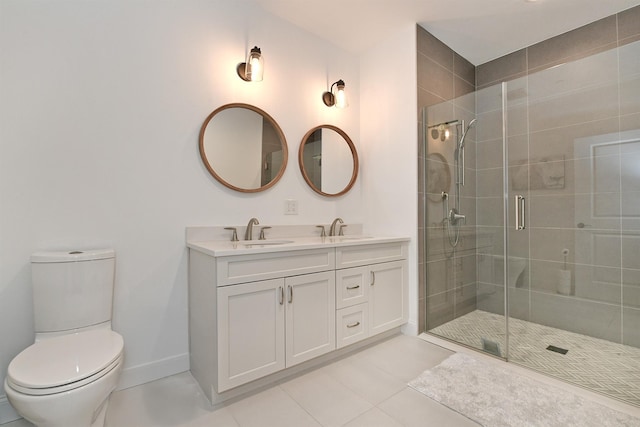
328 160
243 148
438 177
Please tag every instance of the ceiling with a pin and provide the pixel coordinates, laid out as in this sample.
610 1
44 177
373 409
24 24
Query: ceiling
479 30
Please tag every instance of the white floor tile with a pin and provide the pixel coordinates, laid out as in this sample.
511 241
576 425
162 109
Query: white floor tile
373 418
405 357
367 389
172 401
362 377
219 418
271 408
326 399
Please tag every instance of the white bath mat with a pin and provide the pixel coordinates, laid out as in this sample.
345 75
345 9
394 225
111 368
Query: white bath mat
498 397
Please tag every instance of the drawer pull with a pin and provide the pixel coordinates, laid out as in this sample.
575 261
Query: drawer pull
290 292
373 278
281 298
353 325
350 288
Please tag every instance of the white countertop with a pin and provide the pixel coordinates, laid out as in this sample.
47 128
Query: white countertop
219 248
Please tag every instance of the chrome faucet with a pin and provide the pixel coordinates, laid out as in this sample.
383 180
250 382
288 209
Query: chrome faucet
248 235
332 230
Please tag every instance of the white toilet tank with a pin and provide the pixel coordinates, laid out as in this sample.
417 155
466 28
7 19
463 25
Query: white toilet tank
72 289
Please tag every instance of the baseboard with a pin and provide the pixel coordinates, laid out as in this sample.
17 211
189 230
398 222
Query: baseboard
147 372
7 413
410 328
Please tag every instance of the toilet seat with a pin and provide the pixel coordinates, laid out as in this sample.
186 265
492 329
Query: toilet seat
65 363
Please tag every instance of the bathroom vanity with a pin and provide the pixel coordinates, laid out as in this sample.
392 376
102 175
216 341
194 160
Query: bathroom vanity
258 310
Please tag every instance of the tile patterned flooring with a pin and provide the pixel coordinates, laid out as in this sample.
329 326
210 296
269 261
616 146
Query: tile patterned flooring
366 389
595 364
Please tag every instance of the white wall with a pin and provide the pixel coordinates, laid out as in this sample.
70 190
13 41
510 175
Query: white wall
100 108
389 138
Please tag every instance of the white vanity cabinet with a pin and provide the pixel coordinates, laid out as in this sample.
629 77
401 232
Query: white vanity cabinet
255 312
372 297
253 315
251 335
310 325
266 326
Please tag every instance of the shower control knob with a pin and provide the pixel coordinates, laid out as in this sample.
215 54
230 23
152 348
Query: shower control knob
454 217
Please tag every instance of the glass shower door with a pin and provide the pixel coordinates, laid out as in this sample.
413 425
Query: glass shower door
463 221
573 146
544 269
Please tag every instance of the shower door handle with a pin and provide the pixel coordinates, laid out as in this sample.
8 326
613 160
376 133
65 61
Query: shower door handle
520 212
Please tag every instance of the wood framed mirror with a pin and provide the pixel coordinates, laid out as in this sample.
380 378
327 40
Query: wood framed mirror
328 160
243 147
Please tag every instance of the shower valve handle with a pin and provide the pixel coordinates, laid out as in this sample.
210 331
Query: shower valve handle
454 217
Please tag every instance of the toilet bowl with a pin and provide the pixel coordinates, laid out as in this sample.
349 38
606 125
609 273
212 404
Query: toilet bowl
66 381
66 377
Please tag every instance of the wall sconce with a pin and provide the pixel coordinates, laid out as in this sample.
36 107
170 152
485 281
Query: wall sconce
253 69
336 96
442 131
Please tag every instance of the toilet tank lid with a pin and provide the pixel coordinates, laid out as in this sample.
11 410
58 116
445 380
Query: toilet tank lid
72 255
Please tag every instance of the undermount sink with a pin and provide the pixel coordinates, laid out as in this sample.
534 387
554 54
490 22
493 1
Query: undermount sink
352 237
264 242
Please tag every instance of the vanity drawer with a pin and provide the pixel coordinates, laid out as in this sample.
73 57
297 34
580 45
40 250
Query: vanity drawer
352 324
355 256
250 268
352 286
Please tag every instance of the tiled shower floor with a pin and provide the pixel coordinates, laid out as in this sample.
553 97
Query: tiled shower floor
599 365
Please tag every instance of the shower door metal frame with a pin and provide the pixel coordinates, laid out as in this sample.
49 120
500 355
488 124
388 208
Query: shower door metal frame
505 218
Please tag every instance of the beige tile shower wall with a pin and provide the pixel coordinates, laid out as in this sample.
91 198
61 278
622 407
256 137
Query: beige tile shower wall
587 92
605 34
447 80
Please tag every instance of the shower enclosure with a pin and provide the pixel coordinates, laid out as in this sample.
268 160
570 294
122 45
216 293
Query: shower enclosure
531 221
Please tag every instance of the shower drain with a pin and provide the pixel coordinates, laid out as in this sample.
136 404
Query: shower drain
557 349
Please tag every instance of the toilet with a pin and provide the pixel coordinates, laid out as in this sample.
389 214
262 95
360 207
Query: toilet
66 377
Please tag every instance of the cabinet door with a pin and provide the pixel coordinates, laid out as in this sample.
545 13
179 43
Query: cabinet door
250 332
310 316
387 296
